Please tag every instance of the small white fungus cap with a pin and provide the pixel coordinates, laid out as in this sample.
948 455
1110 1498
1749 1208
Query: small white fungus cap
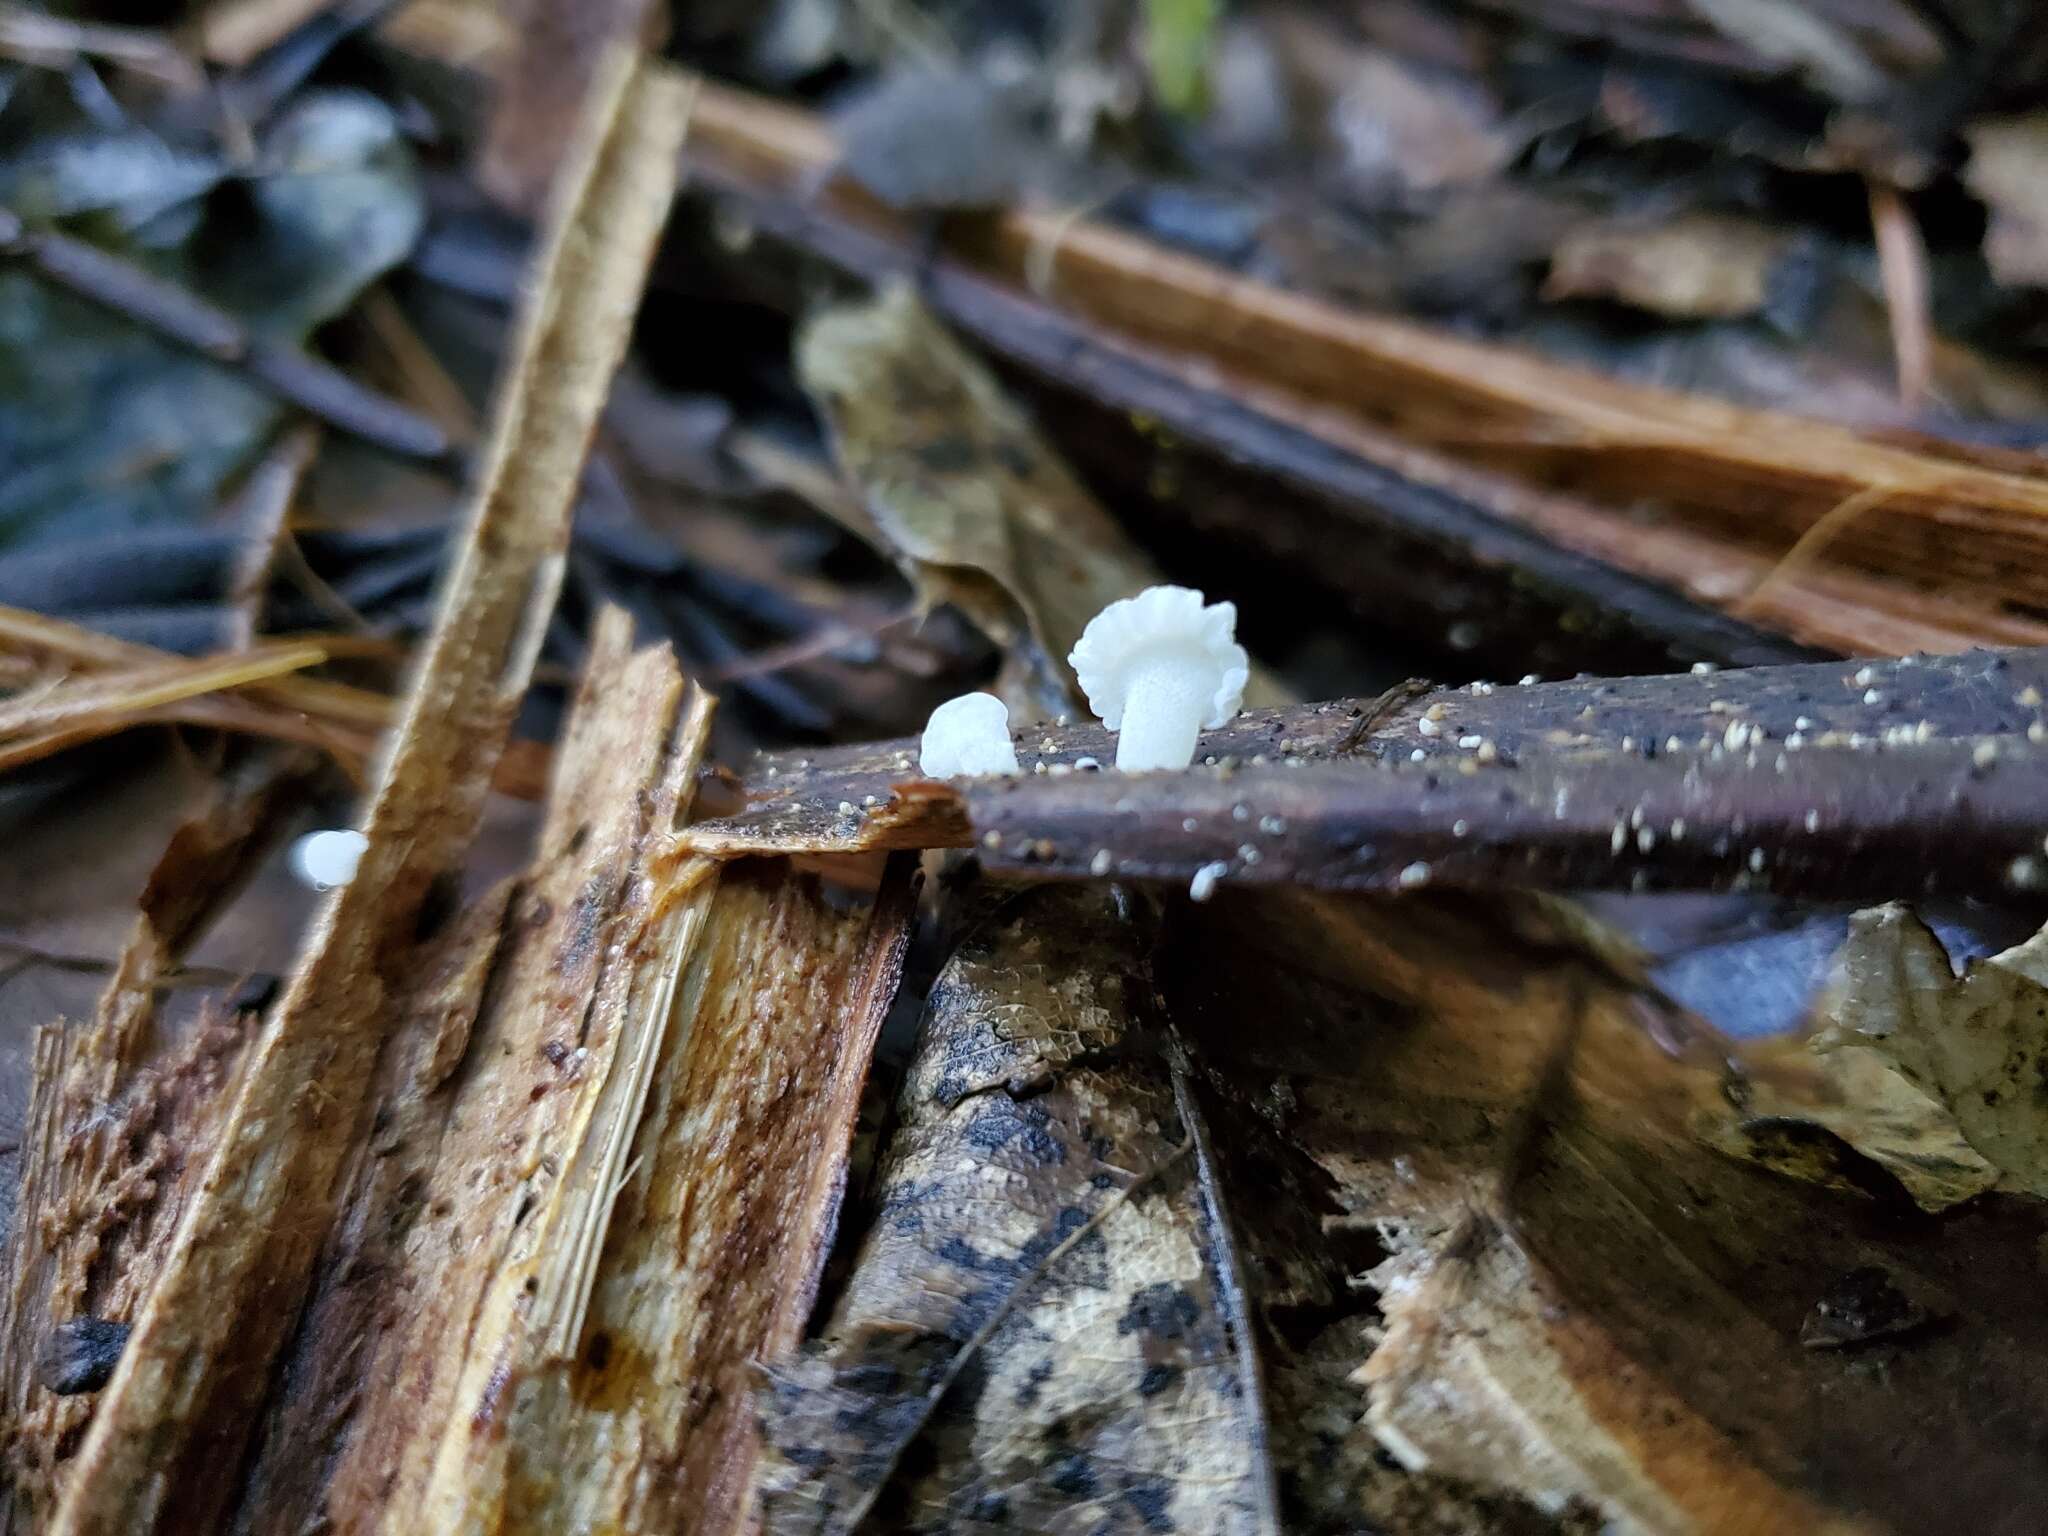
1160 668
327 859
967 737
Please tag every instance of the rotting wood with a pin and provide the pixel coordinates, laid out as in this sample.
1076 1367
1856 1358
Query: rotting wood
1832 779
234 1276
382 1372
726 1212
353 1305
93 1213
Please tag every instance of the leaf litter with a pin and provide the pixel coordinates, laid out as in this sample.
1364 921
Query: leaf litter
1280 1210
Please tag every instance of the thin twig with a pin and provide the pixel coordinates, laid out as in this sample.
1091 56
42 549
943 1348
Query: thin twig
55 42
1811 544
803 648
1230 1291
182 317
980 1337
1902 269
1380 709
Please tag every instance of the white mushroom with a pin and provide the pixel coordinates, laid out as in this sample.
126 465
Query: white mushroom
327 859
966 737
1160 668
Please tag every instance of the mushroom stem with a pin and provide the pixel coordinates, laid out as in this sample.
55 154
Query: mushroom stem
1163 708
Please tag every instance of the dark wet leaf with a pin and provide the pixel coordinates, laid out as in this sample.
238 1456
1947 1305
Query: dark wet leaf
1033 1207
103 427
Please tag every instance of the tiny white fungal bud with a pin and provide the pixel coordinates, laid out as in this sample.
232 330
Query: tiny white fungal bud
1205 880
1160 668
1414 875
1427 726
324 860
966 738
1099 865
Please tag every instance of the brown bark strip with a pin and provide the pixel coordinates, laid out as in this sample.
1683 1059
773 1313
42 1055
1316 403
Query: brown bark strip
1836 779
341 720
94 1214
237 1268
553 1064
724 1219
441 1225
561 45
354 1305
113 696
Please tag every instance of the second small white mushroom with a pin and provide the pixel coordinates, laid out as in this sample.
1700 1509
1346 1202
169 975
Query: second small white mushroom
1160 668
324 860
967 737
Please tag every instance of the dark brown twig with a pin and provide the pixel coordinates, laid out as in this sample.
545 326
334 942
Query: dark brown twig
182 317
1231 1297
1842 780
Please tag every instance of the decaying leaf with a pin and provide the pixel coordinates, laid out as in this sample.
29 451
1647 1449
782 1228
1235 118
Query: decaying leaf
1976 1044
1696 267
1796 1111
964 490
1037 1309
